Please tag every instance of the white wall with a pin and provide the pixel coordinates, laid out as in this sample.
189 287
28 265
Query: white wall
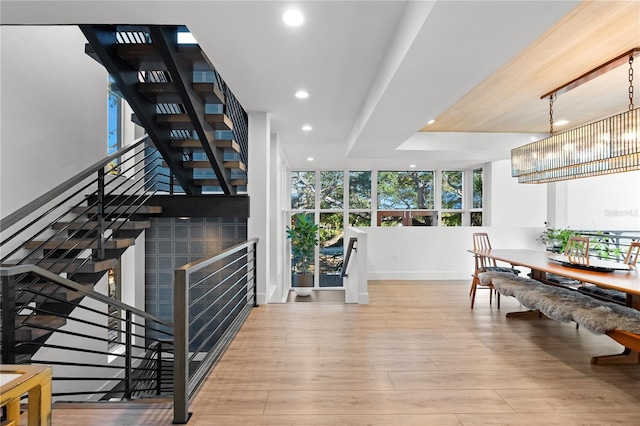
278 176
610 202
435 253
259 191
53 111
511 203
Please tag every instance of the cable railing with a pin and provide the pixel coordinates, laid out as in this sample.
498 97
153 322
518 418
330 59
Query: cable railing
83 366
609 245
212 298
73 225
154 357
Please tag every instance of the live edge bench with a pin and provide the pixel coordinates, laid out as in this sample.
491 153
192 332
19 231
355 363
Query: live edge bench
621 323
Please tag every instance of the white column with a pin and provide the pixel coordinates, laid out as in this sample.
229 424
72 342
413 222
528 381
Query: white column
259 192
275 281
557 205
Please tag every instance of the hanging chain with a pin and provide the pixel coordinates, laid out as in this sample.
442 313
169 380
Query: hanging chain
630 82
552 98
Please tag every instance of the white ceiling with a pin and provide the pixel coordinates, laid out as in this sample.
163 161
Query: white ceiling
376 71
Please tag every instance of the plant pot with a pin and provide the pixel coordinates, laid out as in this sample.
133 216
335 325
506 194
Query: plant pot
302 284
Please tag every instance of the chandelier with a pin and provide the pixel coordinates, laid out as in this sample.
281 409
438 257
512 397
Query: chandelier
610 145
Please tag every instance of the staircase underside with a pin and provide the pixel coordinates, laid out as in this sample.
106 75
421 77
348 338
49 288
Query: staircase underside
189 121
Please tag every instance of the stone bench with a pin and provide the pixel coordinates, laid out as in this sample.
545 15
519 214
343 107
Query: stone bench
619 322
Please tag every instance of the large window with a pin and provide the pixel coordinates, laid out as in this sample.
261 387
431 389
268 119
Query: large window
359 203
406 198
303 190
114 118
405 190
402 198
452 196
476 198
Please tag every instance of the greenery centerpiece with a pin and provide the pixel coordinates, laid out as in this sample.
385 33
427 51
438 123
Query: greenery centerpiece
556 239
304 239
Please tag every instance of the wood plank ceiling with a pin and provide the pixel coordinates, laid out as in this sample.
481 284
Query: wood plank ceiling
509 100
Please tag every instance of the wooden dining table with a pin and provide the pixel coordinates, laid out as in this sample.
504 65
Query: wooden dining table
607 275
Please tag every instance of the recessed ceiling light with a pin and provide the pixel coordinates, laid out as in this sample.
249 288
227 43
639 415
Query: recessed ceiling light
561 122
309 158
412 166
431 122
302 94
293 18
307 128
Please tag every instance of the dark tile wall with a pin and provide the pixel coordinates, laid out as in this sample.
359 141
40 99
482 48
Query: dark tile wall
173 242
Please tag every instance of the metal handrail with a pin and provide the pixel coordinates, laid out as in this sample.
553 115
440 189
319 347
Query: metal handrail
137 180
350 248
140 372
64 282
237 277
52 194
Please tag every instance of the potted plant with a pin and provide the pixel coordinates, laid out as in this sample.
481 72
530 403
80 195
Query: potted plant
304 239
555 239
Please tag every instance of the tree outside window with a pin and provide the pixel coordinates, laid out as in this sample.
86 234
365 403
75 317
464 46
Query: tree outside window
476 212
405 190
359 190
331 190
303 190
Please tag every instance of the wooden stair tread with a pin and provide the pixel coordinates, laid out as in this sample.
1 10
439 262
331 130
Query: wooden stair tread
145 56
217 121
51 289
119 210
80 244
73 265
203 164
235 165
129 225
168 93
216 182
195 144
27 326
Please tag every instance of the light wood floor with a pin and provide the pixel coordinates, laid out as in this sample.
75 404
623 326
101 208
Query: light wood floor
417 355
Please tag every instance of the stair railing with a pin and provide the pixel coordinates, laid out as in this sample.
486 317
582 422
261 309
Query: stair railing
350 248
211 299
79 207
80 354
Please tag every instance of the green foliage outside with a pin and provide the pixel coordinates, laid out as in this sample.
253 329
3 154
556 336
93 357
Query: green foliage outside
331 190
405 190
303 190
451 191
605 247
360 190
396 190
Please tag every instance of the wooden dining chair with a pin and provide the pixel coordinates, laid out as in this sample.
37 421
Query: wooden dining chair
484 264
577 249
610 295
632 255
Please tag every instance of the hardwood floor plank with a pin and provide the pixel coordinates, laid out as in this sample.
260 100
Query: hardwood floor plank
571 400
304 380
381 402
417 355
328 420
550 419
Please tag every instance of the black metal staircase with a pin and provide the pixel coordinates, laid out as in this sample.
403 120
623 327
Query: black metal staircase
78 230
177 95
54 250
